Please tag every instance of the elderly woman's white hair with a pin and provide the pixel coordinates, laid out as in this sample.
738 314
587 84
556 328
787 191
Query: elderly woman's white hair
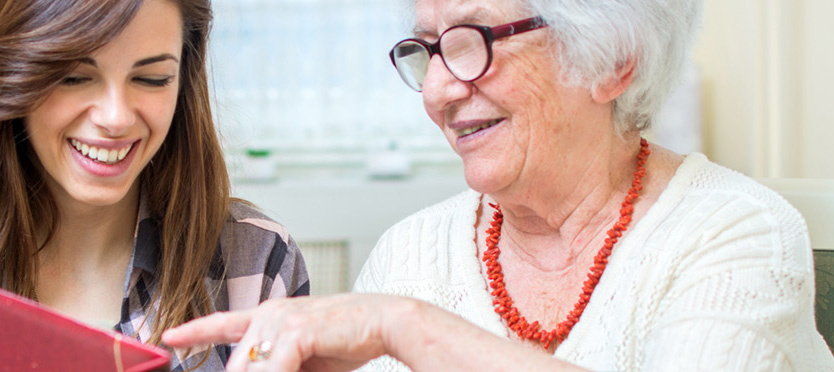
596 37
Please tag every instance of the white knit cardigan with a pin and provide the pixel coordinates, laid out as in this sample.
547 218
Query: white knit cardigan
717 276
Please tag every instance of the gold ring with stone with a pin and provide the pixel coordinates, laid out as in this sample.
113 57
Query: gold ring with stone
260 351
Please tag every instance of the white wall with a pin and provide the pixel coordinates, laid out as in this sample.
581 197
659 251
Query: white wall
816 111
767 71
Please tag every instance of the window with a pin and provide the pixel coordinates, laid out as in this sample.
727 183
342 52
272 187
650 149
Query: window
303 78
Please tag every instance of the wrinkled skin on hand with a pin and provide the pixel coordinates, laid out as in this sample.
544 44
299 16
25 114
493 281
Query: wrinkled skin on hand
328 333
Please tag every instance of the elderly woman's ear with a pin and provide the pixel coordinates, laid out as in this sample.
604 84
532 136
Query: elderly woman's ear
609 88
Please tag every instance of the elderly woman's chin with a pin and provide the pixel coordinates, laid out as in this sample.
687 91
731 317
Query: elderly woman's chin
488 176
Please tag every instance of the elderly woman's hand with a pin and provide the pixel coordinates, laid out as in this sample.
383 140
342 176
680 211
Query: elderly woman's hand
330 333
343 332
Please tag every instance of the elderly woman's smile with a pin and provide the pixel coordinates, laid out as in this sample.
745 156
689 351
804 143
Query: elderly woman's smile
466 128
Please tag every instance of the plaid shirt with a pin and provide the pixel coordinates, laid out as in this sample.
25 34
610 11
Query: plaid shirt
264 262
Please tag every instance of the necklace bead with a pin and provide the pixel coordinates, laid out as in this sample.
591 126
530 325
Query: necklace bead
503 303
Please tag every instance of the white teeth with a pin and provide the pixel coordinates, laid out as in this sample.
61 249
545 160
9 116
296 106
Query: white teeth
107 156
79 147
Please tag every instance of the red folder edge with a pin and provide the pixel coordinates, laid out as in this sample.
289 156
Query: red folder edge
35 338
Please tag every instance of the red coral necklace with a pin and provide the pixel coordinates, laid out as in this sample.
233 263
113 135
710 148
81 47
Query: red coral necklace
502 302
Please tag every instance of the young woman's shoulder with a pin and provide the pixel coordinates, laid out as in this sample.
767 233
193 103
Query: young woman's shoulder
244 214
259 253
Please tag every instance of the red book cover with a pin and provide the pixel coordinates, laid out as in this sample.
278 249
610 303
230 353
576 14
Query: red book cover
35 338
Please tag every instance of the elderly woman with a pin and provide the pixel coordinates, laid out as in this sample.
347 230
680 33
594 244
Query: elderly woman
580 244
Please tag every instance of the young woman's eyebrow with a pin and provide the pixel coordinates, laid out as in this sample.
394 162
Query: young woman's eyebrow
140 63
88 61
155 59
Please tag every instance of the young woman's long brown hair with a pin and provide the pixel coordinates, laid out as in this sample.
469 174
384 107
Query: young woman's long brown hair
41 41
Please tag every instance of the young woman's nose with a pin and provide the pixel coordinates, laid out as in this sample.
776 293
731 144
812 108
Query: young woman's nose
441 88
113 111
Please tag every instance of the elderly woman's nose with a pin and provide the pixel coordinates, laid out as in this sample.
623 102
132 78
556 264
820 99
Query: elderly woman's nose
113 111
440 87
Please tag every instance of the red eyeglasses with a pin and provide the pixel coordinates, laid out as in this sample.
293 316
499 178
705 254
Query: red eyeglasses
466 51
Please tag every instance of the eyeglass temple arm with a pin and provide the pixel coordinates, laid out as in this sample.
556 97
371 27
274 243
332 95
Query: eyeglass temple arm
518 27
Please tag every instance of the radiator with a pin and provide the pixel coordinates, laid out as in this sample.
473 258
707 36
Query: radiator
327 265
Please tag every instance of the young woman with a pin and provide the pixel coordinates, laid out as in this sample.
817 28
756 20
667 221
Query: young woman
114 196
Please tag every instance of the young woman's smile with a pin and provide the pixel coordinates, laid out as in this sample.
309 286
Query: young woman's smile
103 160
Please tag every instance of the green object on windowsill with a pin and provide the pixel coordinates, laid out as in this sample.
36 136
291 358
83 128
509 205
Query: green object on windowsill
257 153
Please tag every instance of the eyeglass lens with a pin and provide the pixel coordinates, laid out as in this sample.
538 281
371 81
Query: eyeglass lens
465 52
412 61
